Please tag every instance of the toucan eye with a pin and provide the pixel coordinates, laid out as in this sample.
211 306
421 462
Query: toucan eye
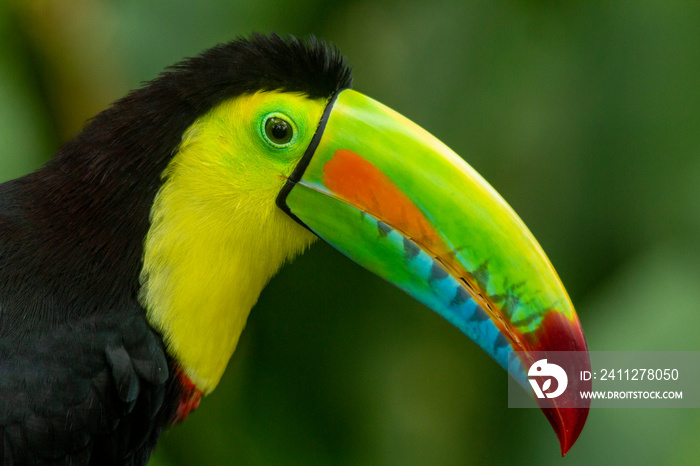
278 131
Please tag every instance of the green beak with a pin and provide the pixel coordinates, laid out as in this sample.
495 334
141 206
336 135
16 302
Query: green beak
393 198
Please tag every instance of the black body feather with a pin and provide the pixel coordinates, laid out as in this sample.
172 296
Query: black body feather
83 378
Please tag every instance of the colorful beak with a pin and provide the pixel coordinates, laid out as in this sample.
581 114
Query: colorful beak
394 199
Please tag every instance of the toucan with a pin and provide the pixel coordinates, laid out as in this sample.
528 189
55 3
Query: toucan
130 261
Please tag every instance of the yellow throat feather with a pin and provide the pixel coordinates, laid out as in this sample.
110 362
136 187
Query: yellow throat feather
216 235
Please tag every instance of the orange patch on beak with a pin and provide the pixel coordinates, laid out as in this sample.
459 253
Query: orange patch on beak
363 185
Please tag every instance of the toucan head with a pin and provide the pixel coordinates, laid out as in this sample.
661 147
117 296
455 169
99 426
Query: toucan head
294 154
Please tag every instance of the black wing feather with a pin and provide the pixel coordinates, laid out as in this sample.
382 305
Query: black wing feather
74 396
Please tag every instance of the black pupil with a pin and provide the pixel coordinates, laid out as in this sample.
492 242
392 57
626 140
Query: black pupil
278 130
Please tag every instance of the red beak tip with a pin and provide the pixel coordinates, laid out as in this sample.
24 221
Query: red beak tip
559 334
565 445
568 424
566 441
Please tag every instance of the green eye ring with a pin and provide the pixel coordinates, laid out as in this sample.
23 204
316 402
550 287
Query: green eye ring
279 130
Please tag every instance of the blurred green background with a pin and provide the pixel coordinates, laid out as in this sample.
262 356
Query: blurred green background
585 116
